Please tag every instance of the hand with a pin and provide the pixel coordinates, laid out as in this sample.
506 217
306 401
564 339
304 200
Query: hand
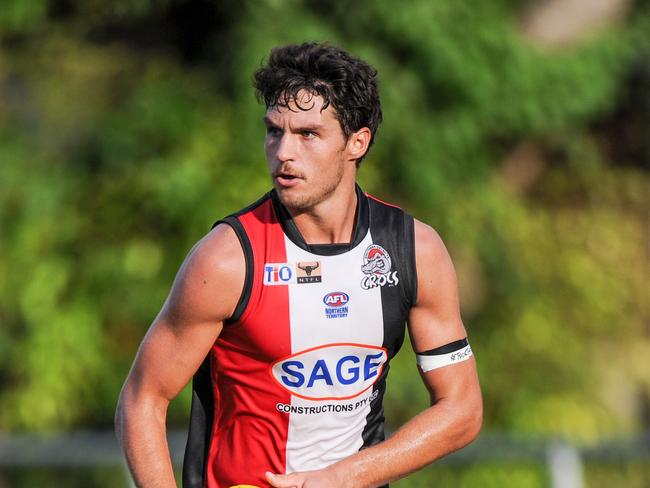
306 479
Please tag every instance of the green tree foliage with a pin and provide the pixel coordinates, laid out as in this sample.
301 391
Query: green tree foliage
128 127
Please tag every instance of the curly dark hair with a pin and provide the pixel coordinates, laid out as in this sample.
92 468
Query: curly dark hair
348 83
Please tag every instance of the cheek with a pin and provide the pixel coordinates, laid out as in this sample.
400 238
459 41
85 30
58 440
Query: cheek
333 152
269 153
321 151
270 149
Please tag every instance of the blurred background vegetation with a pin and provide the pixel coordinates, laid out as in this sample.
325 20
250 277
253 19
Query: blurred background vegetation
518 129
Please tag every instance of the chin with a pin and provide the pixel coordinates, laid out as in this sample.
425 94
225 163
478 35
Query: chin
295 201
301 198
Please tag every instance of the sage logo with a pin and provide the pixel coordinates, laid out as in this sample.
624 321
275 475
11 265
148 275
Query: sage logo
331 372
377 268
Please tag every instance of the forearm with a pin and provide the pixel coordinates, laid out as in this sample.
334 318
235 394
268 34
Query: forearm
432 434
141 431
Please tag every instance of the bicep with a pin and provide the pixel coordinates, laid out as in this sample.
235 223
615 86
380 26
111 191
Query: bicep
203 295
435 320
168 357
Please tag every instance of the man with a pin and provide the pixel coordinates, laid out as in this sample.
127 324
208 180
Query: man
288 313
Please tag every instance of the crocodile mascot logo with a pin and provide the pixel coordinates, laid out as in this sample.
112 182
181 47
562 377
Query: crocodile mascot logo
377 268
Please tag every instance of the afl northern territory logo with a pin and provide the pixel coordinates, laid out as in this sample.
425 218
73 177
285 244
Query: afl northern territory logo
377 268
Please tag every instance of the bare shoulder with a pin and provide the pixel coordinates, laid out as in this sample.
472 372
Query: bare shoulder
217 252
434 266
428 243
435 318
210 280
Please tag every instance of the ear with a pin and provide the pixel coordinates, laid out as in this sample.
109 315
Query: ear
358 143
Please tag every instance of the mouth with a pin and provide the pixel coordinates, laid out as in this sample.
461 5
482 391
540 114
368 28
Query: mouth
286 179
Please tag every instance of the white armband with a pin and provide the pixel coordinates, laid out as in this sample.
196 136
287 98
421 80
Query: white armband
452 353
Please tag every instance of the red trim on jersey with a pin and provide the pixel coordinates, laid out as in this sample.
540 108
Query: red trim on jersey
381 201
249 437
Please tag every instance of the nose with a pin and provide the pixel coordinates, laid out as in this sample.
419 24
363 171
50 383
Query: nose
286 148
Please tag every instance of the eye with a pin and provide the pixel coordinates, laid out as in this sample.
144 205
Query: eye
308 134
273 131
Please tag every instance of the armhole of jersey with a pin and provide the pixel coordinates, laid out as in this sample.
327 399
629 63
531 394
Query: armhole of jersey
237 226
409 231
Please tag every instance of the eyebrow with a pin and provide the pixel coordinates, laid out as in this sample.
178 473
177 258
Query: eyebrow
307 127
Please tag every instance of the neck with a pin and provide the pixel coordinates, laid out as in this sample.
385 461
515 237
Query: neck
331 221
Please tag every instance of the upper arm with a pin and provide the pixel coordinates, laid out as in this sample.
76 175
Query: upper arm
435 318
204 294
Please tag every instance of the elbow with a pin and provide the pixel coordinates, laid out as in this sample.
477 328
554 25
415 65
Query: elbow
125 410
136 407
120 416
467 424
472 423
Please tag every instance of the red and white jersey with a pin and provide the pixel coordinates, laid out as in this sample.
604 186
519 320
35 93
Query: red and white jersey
296 379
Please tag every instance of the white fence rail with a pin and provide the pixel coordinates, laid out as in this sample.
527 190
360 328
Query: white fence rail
100 449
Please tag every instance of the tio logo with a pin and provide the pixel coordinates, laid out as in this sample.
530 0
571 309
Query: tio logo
278 274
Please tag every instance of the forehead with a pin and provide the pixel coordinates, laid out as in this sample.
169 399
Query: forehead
306 109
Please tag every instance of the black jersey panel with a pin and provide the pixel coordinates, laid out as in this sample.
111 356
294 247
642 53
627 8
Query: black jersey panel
200 428
410 270
393 230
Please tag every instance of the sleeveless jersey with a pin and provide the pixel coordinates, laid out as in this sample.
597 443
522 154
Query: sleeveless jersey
296 379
